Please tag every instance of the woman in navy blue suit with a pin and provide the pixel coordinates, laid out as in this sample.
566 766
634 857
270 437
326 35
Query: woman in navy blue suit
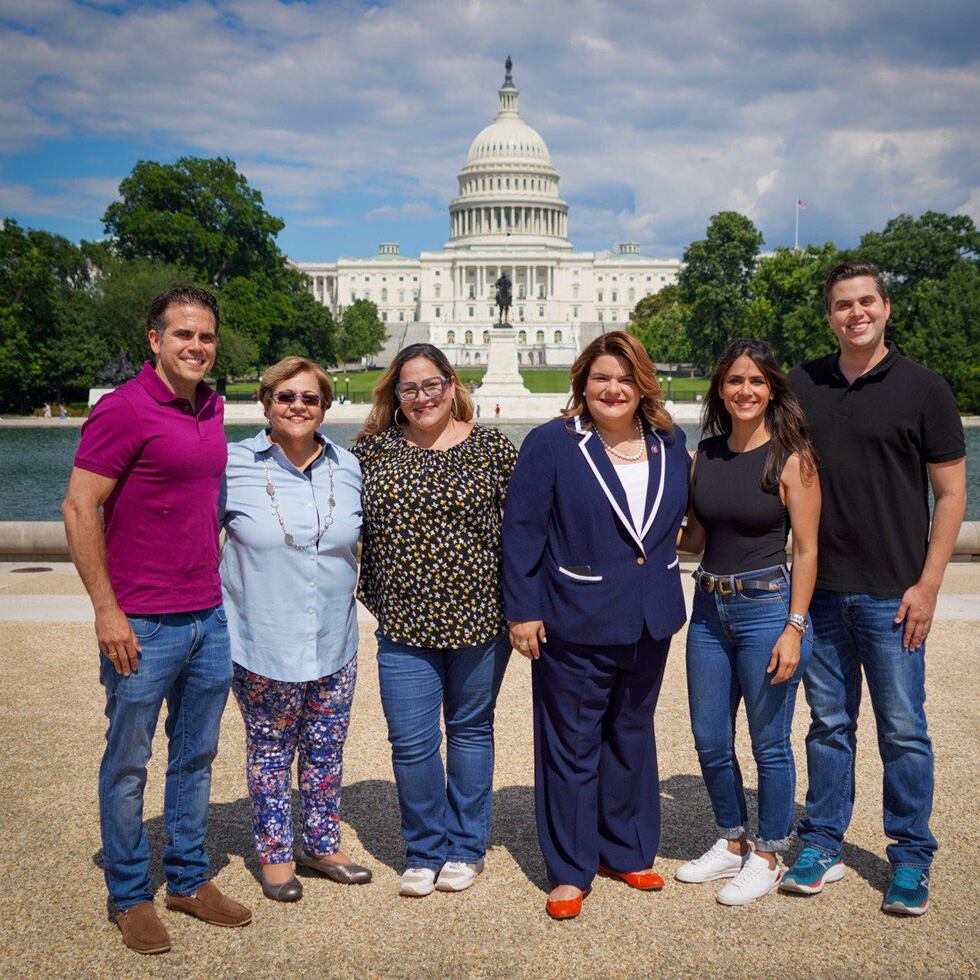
593 595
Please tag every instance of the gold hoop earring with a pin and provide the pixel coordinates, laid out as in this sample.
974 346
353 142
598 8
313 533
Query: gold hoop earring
404 420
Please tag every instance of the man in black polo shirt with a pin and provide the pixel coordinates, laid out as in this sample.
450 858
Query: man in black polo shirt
884 428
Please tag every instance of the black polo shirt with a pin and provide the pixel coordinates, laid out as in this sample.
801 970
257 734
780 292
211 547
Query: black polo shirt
874 439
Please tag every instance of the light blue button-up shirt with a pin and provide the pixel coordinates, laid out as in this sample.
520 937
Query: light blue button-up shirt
291 613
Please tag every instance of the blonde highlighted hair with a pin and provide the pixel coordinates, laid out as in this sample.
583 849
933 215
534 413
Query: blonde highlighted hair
287 368
386 401
625 345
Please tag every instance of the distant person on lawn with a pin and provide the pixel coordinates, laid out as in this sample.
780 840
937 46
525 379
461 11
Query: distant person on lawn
152 456
884 428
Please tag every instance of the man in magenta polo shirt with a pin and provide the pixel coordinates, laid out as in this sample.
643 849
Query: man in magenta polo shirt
152 456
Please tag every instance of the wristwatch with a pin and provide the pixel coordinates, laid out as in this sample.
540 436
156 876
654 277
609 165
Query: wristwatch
797 621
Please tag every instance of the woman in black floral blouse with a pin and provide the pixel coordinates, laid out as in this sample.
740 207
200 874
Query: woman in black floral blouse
433 489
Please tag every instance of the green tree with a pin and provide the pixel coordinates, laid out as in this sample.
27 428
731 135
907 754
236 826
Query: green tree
361 334
946 337
714 283
787 302
197 213
40 273
658 322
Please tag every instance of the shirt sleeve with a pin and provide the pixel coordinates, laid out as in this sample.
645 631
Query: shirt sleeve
941 425
525 535
112 438
506 459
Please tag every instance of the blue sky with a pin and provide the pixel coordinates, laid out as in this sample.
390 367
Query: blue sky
353 119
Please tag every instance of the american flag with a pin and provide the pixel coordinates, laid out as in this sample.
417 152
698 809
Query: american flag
801 204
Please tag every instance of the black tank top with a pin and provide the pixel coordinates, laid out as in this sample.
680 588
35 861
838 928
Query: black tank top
745 527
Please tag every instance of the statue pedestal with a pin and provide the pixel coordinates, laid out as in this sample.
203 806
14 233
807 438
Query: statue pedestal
504 389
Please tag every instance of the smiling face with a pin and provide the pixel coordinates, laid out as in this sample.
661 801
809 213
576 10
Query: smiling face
185 349
745 391
611 392
426 413
294 420
858 315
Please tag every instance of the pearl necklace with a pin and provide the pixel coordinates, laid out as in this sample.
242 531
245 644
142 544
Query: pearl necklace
626 457
270 489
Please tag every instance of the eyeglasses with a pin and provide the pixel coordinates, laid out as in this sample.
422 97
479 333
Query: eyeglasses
288 397
408 391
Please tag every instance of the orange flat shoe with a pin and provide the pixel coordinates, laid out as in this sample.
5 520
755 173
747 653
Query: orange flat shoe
567 908
646 881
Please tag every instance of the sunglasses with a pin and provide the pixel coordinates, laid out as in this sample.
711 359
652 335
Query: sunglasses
408 391
288 397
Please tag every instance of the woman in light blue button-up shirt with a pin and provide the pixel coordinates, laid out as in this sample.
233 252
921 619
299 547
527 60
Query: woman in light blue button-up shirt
291 506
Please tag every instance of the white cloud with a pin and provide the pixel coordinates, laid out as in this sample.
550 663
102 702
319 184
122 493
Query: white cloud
657 114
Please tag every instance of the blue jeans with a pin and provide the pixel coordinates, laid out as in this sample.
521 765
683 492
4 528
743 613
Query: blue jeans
185 660
729 643
853 631
445 815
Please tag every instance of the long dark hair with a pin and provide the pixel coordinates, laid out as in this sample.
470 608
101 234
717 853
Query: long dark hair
386 402
789 431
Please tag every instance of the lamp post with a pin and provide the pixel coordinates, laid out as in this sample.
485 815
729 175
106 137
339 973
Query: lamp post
669 380
347 382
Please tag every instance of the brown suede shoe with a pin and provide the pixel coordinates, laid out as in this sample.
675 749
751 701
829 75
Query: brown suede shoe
142 929
209 905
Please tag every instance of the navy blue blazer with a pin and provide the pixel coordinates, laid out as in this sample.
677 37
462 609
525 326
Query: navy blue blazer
572 556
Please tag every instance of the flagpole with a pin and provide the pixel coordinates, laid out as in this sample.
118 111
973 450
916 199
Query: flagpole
796 239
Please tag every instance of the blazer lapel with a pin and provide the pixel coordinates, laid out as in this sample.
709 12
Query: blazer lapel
655 481
605 474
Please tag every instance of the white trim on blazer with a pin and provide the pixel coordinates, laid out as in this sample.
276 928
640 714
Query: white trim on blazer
626 522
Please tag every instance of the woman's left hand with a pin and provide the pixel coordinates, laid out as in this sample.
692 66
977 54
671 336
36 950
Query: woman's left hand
785 656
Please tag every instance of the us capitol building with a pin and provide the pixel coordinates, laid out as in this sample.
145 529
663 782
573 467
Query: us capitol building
508 216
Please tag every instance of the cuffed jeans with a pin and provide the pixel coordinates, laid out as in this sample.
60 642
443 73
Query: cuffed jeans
729 644
185 660
445 814
854 631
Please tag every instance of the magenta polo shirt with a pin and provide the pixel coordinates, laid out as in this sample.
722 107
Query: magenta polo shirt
161 519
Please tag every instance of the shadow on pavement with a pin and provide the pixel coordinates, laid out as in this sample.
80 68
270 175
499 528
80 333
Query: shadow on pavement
371 808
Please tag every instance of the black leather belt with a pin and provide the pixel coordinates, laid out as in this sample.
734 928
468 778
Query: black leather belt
729 584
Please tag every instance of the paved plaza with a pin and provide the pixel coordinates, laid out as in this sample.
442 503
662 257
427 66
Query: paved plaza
54 922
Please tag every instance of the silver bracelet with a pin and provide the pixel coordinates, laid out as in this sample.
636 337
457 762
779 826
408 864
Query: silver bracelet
797 621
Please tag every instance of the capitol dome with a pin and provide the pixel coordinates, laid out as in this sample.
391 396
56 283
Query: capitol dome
508 189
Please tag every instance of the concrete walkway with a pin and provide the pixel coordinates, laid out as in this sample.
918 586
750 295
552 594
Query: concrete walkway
54 922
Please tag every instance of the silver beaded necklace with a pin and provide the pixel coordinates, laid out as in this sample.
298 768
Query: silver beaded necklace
270 489
626 457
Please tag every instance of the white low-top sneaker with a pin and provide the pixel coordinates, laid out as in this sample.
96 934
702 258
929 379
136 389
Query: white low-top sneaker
754 880
719 862
417 882
457 876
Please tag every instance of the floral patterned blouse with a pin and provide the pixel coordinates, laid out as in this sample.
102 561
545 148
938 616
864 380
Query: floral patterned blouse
430 553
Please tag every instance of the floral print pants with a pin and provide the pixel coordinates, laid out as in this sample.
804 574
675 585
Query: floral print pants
279 717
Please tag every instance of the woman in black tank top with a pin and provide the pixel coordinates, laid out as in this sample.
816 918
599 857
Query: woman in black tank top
749 637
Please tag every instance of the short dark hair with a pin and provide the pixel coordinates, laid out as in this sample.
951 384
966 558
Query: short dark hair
180 296
851 270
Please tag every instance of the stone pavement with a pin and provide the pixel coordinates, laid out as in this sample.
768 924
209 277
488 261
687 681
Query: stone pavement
52 895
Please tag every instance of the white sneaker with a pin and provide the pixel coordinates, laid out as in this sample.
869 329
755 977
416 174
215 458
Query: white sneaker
417 882
457 876
754 880
719 862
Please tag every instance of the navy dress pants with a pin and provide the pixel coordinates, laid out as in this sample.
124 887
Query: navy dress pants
596 786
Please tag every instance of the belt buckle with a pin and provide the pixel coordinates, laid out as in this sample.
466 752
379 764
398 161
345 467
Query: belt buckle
706 582
723 587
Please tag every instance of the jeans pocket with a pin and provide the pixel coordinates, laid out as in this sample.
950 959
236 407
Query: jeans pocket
144 627
220 615
761 595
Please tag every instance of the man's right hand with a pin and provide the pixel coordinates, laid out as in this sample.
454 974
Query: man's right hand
117 640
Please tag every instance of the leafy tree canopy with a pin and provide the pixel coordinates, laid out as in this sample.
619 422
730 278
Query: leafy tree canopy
362 333
658 322
197 213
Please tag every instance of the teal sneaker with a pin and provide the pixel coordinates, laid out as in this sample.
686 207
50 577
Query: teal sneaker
813 869
908 894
